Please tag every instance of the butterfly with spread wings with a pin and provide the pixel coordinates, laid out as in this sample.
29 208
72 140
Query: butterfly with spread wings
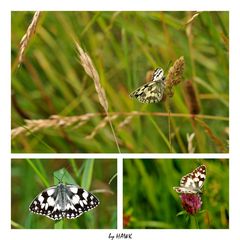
192 183
151 92
63 200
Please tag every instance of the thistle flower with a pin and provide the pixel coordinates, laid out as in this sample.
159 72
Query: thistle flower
191 202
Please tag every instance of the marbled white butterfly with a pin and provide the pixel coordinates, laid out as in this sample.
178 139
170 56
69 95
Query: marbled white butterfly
192 182
151 92
63 200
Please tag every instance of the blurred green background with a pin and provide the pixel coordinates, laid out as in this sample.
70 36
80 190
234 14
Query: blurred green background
30 177
149 200
123 47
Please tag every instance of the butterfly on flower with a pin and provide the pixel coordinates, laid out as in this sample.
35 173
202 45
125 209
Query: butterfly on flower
63 200
151 92
192 183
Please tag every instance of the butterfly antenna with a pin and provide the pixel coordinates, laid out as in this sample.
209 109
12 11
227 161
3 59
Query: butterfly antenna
57 178
60 180
63 174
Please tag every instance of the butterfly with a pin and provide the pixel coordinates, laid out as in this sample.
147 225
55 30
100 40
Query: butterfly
151 92
63 200
192 183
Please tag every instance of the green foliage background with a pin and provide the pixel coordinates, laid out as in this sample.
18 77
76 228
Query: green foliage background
123 47
150 202
30 177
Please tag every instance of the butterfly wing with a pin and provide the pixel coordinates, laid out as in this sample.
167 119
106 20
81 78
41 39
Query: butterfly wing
185 190
151 92
79 201
192 182
158 74
45 202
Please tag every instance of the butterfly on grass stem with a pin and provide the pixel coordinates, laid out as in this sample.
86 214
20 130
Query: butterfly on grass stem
151 92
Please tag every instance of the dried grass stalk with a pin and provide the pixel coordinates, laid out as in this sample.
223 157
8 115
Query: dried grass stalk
101 125
149 76
89 68
57 121
225 41
174 76
175 73
191 97
125 122
54 121
192 18
212 136
17 131
27 37
191 148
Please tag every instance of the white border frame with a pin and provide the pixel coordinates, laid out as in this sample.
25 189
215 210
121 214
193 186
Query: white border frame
134 5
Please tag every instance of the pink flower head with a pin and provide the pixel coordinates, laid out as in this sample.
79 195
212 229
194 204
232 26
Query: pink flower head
191 202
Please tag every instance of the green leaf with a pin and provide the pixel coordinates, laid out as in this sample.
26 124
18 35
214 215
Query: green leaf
58 224
181 213
62 175
87 173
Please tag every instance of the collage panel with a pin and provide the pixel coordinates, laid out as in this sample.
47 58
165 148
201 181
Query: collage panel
176 193
63 194
98 81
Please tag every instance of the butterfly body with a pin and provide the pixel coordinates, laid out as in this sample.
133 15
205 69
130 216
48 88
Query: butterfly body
151 92
192 183
63 200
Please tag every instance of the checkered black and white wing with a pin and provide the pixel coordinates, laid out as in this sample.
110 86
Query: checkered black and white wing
192 182
151 92
45 202
80 201
69 201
